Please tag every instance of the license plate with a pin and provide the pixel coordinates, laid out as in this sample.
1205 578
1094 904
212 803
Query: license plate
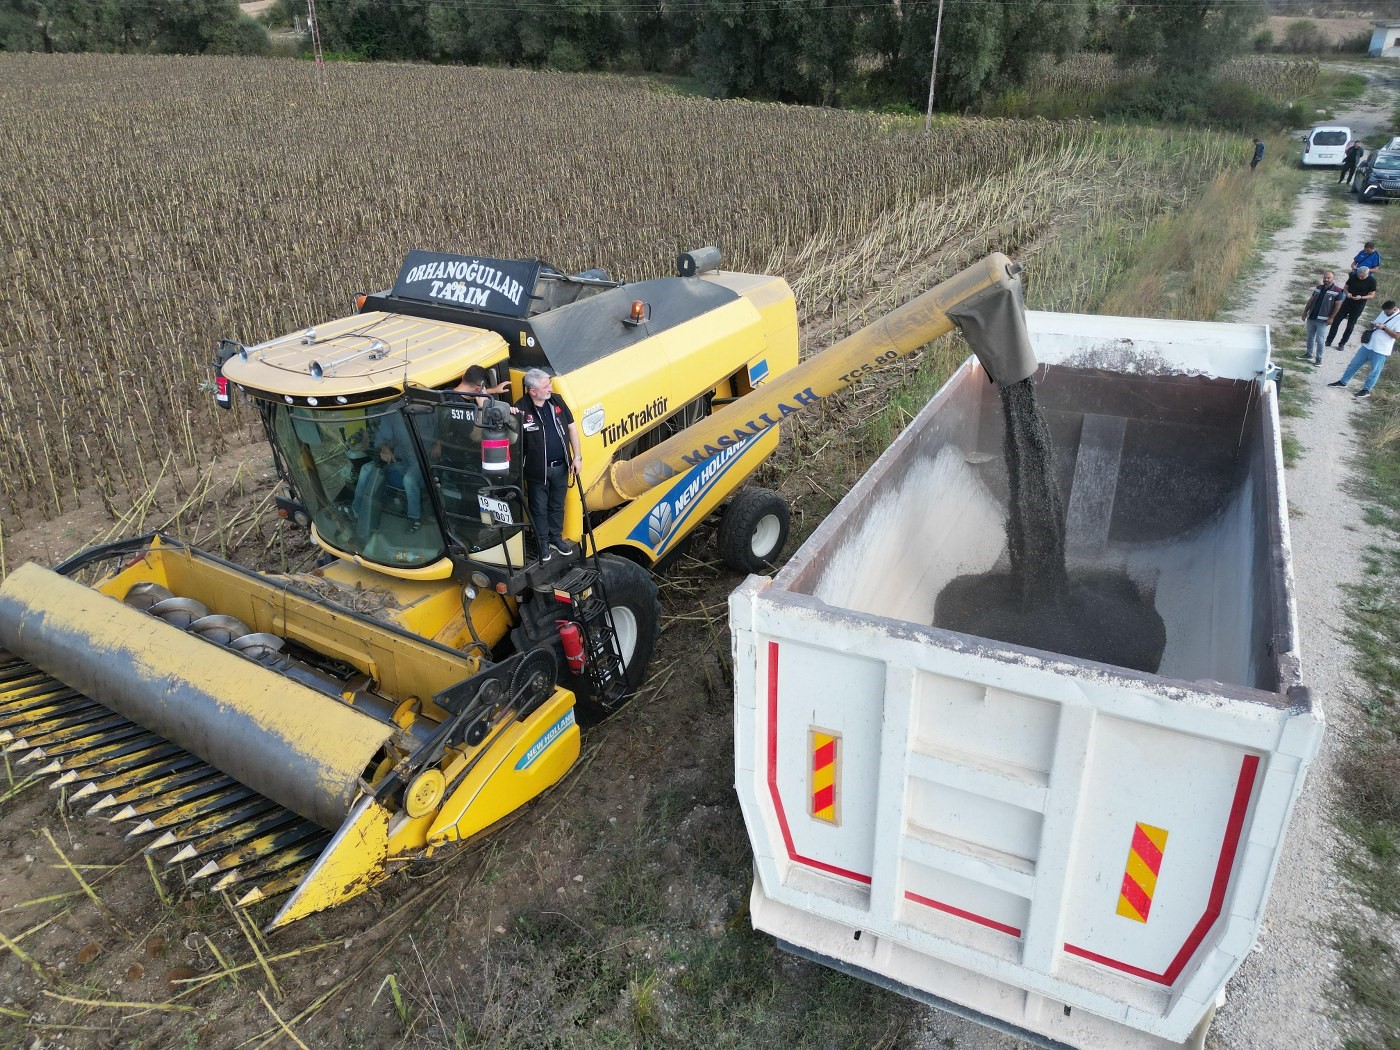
499 509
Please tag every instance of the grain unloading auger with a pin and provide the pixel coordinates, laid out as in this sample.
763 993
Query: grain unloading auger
265 736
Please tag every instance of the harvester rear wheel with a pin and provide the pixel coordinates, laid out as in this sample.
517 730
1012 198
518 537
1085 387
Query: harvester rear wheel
753 530
635 609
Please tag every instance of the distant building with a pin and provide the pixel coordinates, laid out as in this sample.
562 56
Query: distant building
1385 40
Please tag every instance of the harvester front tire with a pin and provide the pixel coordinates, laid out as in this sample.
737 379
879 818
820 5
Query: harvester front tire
635 611
753 531
635 607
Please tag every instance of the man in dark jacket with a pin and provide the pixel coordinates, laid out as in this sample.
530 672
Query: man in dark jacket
1326 300
552 454
1350 159
1360 289
1258 154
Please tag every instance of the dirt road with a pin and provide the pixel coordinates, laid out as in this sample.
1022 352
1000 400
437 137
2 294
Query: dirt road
1286 994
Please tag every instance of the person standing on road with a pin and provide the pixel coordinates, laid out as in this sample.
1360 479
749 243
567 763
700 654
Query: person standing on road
1375 350
1360 289
1326 299
1350 159
1367 257
1258 154
552 454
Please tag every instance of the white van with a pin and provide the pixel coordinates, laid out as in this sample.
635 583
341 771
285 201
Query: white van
1325 147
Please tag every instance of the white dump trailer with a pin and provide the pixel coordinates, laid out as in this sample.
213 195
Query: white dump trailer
1068 850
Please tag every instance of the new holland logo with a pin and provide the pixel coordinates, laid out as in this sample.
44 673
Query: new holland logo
660 522
541 745
686 493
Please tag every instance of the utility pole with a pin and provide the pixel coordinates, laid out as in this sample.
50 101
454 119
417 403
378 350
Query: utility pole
316 41
933 72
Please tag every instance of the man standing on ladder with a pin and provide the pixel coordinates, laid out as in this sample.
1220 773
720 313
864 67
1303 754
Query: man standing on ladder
552 455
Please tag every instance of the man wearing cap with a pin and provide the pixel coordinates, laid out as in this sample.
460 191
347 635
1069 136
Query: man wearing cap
552 456
1360 289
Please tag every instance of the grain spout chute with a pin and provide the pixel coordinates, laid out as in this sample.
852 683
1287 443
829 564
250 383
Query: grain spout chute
985 298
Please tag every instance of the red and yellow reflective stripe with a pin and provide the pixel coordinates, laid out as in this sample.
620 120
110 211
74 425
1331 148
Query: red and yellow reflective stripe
1140 876
824 766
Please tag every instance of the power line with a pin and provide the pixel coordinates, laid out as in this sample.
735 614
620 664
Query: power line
721 6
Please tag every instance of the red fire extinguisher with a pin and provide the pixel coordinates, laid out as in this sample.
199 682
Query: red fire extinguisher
573 645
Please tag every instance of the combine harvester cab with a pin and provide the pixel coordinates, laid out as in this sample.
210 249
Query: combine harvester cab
1067 850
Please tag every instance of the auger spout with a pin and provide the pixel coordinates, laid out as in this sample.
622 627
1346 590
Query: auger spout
985 300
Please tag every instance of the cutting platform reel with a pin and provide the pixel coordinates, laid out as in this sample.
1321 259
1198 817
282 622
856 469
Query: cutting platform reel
259 738
189 812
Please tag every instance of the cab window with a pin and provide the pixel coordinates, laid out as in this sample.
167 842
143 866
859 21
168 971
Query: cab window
359 475
474 462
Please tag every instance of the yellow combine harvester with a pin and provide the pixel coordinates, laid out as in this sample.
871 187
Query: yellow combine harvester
303 733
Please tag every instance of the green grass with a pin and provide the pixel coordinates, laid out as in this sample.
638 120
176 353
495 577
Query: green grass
1329 92
1336 211
1186 263
1371 973
1226 103
1331 88
1292 450
1322 241
1293 397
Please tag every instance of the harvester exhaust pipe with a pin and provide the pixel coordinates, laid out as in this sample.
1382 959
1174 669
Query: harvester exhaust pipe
985 300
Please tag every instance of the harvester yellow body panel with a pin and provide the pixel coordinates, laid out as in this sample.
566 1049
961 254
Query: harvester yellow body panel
722 355
429 609
351 864
528 757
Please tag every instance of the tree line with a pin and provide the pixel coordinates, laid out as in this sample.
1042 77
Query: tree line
822 52
185 27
